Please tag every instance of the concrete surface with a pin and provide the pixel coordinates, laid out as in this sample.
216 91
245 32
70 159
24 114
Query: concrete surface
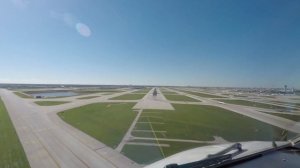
154 102
48 143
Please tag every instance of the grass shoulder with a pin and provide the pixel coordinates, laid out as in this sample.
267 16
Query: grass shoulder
287 116
205 95
12 153
180 98
202 122
107 122
50 103
22 95
87 97
253 104
130 96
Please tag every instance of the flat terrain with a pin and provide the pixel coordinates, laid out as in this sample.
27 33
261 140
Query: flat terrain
176 147
11 150
142 154
203 94
50 142
288 116
50 103
84 92
129 97
166 132
239 96
253 104
107 122
22 95
153 102
180 98
168 92
287 103
98 127
87 97
202 122
145 90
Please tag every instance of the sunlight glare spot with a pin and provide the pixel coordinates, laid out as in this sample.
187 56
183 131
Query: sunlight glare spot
83 29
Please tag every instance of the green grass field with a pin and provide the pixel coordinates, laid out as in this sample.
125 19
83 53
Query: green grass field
50 103
226 94
142 154
203 94
87 97
145 90
194 122
129 97
107 122
240 96
22 95
85 92
78 92
200 122
12 154
269 96
149 154
287 103
168 92
287 116
253 104
176 147
180 98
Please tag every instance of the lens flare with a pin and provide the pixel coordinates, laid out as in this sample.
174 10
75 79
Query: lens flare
83 29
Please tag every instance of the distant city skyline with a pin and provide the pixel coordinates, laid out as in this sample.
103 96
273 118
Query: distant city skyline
217 43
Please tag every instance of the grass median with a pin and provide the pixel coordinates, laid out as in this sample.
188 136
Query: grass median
87 97
129 97
203 94
287 116
22 95
193 122
11 150
202 122
107 122
145 90
180 98
253 104
50 103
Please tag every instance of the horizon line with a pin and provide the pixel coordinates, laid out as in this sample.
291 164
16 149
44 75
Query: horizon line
148 85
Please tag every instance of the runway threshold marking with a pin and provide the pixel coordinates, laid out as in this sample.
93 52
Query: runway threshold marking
160 147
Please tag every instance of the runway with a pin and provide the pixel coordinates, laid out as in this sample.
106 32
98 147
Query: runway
50 144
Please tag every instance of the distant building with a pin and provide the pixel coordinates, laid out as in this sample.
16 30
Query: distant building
285 89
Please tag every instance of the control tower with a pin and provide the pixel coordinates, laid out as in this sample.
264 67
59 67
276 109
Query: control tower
285 89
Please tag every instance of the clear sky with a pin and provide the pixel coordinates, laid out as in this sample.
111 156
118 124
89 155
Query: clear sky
160 42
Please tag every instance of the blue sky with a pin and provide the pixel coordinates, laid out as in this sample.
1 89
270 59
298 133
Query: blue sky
162 42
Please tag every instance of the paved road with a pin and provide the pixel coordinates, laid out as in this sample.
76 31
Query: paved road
50 144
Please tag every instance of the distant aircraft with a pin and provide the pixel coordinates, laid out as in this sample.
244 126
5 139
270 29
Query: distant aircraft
155 92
